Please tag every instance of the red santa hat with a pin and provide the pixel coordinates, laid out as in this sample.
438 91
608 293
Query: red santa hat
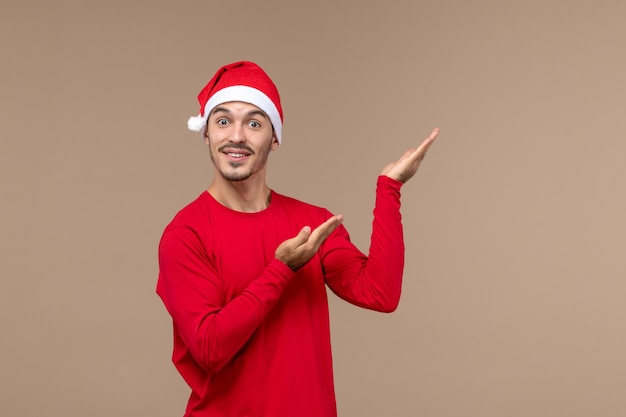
240 81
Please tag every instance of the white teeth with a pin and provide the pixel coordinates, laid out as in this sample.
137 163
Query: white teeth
236 155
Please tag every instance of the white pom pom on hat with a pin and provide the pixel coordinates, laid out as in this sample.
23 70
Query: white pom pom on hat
196 123
240 81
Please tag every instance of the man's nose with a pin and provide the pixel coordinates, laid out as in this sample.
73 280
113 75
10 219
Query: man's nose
238 133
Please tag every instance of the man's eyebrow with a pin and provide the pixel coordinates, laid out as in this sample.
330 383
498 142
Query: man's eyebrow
248 114
257 112
220 109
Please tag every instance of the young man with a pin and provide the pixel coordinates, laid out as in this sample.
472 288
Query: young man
244 270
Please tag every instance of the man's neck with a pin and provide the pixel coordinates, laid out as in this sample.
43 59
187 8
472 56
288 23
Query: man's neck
240 196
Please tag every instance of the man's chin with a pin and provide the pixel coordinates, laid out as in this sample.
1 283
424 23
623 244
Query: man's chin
235 176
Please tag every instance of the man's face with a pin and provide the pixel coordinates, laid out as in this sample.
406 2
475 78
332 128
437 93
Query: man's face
240 137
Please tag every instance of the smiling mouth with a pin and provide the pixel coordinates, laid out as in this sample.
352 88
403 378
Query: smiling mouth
236 157
236 151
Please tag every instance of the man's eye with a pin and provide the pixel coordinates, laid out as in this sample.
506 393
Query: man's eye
222 122
254 123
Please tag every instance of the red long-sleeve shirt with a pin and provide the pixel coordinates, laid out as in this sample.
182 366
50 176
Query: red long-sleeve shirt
252 337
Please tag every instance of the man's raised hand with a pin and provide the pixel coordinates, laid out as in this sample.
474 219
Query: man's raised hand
405 167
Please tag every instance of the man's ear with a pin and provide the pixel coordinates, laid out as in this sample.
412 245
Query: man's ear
275 143
206 136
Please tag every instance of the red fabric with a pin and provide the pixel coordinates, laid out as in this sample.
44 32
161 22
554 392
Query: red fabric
252 337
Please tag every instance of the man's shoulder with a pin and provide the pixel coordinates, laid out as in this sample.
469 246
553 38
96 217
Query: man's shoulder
189 215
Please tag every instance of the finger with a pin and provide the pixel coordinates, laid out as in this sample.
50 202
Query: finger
407 154
434 134
302 236
325 229
330 225
423 146
420 152
430 139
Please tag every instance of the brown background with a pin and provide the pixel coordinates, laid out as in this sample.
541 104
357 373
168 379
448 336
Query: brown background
514 298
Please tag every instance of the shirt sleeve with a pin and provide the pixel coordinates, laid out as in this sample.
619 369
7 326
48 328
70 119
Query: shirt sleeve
212 329
373 281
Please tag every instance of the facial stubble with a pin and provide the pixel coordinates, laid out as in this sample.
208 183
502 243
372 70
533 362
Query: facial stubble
241 176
